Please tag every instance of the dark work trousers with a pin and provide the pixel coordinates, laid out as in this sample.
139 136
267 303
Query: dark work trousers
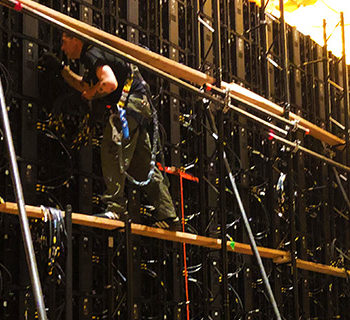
135 155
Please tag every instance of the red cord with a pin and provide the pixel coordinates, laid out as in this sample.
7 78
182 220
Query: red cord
18 6
184 249
182 175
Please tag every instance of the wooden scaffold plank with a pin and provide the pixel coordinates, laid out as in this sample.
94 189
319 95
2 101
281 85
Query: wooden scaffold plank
278 256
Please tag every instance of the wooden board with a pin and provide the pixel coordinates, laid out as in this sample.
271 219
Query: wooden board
142 230
321 268
278 256
252 98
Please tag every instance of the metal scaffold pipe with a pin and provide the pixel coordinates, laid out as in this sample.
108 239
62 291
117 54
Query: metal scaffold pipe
17 186
345 88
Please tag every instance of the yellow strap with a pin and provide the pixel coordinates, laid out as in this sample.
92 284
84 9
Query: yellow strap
125 91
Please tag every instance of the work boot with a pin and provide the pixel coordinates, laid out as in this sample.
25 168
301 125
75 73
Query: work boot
113 210
108 215
171 224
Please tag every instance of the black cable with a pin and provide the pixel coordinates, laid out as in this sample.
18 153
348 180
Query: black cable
118 306
6 80
2 281
346 198
59 310
1 284
194 269
7 83
56 233
67 177
262 234
53 199
7 271
258 234
238 300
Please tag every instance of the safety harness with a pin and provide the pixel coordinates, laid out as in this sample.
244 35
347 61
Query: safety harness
117 136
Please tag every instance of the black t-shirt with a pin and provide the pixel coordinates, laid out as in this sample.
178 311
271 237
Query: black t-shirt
93 57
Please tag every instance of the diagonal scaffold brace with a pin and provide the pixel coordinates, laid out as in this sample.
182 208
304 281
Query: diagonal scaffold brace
26 235
218 137
252 240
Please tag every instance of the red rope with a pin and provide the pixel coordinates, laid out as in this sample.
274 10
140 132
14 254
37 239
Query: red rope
184 250
182 175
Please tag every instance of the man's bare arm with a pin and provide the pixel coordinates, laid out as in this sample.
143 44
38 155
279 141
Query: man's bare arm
107 84
74 80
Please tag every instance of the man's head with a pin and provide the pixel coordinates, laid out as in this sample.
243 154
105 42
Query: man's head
71 46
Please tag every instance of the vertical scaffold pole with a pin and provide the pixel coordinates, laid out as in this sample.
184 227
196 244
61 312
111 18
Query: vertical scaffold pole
326 79
345 87
201 162
284 58
69 264
290 171
129 267
220 150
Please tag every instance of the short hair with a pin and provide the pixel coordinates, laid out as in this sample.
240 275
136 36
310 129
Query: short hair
68 34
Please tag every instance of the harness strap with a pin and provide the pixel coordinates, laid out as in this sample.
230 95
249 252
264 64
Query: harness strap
117 136
125 92
121 104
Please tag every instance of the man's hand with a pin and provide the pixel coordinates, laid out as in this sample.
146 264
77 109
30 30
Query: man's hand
89 94
50 62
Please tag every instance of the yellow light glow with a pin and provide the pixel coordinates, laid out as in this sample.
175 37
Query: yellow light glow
307 16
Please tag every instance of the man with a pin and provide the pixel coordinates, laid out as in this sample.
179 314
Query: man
111 80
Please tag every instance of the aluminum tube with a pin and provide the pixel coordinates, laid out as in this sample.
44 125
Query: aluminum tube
17 186
257 119
297 147
345 88
252 240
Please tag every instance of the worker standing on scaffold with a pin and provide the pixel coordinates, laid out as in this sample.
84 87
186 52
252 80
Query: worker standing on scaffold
126 149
